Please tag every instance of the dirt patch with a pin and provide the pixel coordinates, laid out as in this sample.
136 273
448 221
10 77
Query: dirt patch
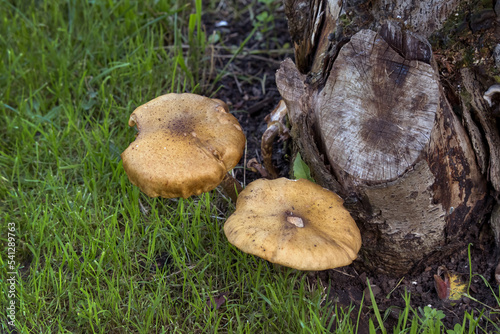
249 85
250 90
349 286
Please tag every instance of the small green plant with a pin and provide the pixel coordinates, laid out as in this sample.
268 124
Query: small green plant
266 17
301 169
457 329
431 318
264 21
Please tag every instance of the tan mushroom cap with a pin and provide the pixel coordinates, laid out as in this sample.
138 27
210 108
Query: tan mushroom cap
185 145
295 223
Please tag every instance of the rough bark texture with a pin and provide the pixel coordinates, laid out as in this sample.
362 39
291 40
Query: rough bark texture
311 24
488 124
424 17
369 116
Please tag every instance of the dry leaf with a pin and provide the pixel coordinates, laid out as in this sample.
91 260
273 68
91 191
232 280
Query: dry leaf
452 287
219 300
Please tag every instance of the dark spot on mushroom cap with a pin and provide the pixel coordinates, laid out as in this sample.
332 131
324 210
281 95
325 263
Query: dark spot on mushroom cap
181 125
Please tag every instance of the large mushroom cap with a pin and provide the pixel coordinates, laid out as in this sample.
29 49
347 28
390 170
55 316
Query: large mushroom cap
185 145
295 223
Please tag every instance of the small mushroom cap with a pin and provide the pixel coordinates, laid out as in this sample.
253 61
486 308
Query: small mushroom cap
295 223
185 145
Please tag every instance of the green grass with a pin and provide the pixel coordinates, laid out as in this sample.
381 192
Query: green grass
71 74
93 254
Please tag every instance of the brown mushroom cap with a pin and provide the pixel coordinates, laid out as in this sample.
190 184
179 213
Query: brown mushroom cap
185 145
295 223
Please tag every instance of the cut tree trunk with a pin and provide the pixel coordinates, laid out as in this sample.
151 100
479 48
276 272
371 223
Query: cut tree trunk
369 116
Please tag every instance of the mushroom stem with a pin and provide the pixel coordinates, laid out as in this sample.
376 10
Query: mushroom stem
231 187
267 149
275 126
488 95
255 167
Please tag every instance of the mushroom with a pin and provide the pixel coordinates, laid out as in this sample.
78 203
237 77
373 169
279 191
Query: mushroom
488 95
294 223
185 145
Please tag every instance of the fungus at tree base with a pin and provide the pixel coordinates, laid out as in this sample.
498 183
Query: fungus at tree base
295 223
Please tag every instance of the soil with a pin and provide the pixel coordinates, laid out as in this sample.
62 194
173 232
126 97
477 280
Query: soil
249 86
249 89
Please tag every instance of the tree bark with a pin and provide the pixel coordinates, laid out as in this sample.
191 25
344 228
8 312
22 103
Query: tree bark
370 117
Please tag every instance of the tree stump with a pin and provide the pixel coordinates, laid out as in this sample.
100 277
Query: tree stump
369 116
